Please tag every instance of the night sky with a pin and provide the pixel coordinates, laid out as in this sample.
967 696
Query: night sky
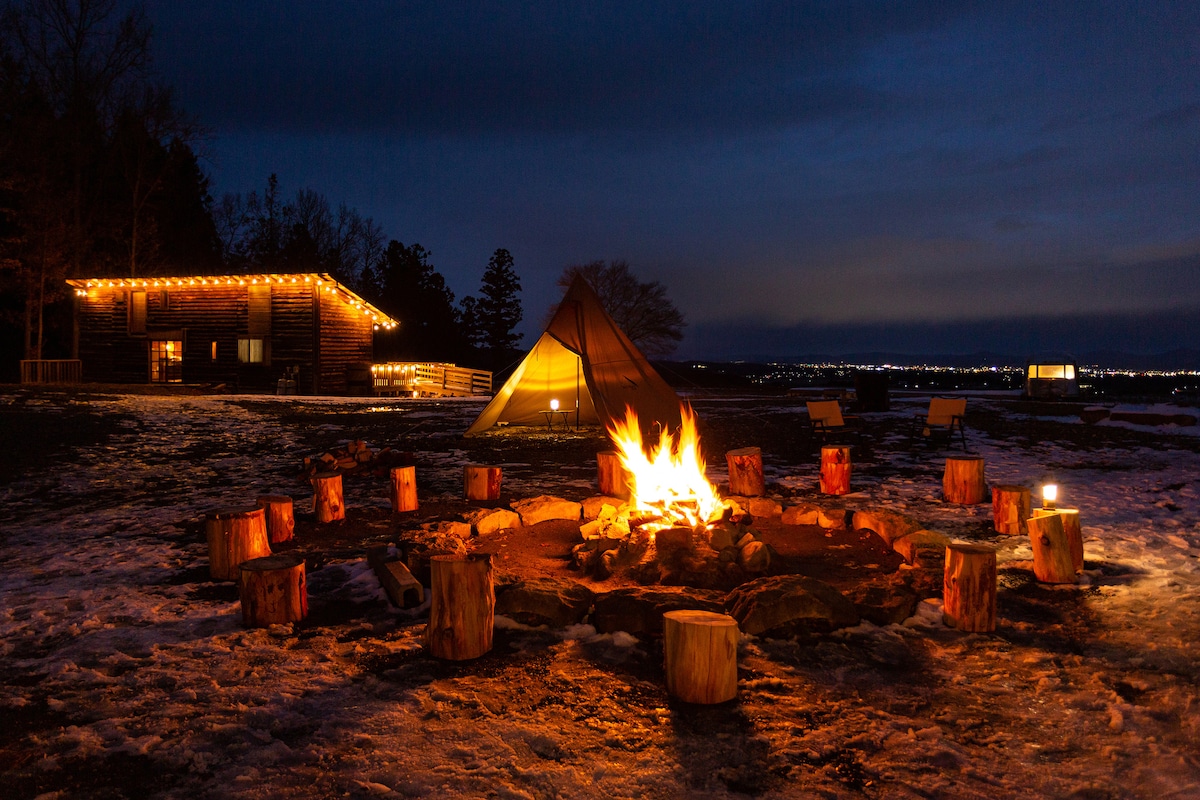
804 177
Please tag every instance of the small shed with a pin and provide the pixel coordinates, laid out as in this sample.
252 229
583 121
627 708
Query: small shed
244 331
1051 379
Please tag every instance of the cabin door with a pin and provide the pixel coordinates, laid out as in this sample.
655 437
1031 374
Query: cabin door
166 361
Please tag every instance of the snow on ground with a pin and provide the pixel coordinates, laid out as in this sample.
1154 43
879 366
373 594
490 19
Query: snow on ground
126 673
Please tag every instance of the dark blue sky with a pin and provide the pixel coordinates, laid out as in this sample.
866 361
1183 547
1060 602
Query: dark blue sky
929 177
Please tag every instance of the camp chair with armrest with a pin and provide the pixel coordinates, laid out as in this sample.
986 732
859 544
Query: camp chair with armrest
825 417
946 416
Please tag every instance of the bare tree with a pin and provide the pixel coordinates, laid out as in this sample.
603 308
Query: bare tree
641 309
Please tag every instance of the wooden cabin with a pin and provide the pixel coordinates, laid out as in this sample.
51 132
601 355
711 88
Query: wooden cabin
247 332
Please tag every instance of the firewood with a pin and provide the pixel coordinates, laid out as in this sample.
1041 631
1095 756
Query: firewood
281 520
1010 508
462 607
962 481
1073 530
235 536
745 471
481 482
1053 561
327 497
404 489
835 469
969 587
614 480
273 590
700 656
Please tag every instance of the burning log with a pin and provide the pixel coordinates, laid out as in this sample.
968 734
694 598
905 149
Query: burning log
233 537
611 475
835 469
327 497
962 481
1053 561
404 489
462 607
1010 508
273 590
481 482
969 587
700 650
745 472
1071 526
281 520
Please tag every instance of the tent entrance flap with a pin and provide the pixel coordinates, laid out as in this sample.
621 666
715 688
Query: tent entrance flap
549 372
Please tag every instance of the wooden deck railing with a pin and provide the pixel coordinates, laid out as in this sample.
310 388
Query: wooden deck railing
430 380
51 370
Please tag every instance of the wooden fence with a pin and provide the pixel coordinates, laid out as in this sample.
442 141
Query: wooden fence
51 370
416 379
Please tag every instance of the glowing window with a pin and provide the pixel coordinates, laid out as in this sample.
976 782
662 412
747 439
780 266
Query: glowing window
250 351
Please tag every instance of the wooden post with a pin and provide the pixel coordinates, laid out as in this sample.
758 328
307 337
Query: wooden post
235 536
611 476
281 521
1073 530
461 608
327 497
1011 506
481 482
969 587
404 489
746 472
700 650
835 469
273 590
1053 561
963 480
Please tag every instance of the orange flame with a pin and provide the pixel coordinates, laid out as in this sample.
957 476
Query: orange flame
667 480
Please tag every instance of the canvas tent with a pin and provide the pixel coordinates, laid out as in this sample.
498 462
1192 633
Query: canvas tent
586 363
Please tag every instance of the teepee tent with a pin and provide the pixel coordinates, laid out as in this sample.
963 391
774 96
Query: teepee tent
586 363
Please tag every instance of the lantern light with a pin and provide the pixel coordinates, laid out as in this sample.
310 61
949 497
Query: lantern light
1049 495
554 405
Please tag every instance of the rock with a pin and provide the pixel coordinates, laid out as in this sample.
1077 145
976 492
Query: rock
923 547
447 529
802 514
669 540
754 557
889 525
545 507
592 506
544 601
491 520
722 535
887 602
783 606
764 507
640 609
832 518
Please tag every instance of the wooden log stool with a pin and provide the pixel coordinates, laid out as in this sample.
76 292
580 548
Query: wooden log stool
1071 526
1011 506
481 482
611 476
746 472
1053 560
327 497
969 587
273 590
962 481
281 518
235 536
835 469
461 608
404 489
700 656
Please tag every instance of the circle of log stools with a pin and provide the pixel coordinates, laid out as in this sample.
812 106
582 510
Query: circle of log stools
1057 545
234 536
1010 508
281 519
461 607
328 503
746 472
273 590
963 480
700 656
404 489
611 475
481 482
835 469
969 587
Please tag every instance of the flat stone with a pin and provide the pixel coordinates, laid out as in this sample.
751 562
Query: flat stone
783 606
801 514
639 609
889 525
887 602
592 506
754 557
546 507
492 520
722 535
832 518
447 528
923 547
765 507
544 601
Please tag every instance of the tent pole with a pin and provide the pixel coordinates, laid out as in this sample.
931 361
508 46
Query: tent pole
578 362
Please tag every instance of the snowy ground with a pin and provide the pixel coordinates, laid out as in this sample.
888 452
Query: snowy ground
124 672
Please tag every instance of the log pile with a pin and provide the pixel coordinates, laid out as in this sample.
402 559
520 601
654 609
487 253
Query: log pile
356 456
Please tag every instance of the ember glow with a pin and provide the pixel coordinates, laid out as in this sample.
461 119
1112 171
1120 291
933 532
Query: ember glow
667 478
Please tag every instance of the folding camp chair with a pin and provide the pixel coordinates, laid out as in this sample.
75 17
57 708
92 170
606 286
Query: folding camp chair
825 418
946 416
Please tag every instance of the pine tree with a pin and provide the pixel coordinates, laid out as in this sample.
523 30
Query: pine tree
491 319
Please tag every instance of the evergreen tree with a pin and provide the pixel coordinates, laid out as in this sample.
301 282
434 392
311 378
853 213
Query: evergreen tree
490 321
416 294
